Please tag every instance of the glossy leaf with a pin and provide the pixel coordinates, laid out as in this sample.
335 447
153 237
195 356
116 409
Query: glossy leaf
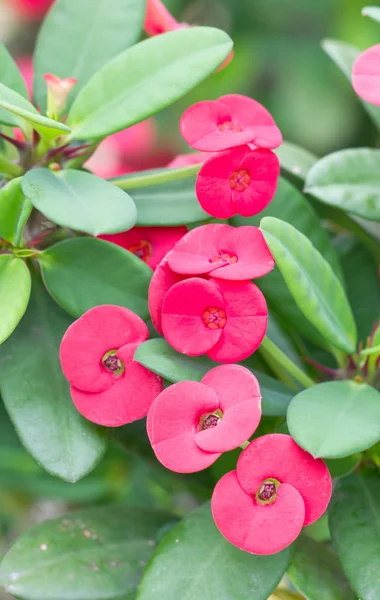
291 206
173 203
15 210
145 79
97 32
312 283
195 561
84 272
96 553
12 78
37 396
354 520
157 356
372 11
316 572
25 112
79 200
344 56
335 419
295 160
14 293
349 180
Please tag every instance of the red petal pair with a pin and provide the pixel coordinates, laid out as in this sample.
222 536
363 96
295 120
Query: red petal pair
107 386
277 489
191 424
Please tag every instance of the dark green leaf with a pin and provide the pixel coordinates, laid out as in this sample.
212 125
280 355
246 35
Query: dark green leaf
12 78
354 519
37 396
14 293
145 79
85 272
340 467
316 572
335 419
195 561
157 356
312 283
94 554
15 210
80 200
349 180
295 160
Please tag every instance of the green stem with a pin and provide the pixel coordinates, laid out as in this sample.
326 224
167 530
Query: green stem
270 349
155 177
369 351
9 168
244 445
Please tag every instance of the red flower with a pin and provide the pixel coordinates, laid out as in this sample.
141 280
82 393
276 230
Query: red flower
186 160
25 65
277 489
150 244
163 279
32 9
225 320
107 386
191 424
230 121
237 181
225 252
159 20
366 75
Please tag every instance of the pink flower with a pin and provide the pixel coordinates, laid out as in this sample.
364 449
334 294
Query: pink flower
32 9
230 121
186 160
226 320
366 75
222 251
237 181
58 91
163 279
191 424
107 386
25 65
159 20
150 244
277 489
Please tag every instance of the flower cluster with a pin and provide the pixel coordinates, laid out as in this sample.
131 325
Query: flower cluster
201 297
241 175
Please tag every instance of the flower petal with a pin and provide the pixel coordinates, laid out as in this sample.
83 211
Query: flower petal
366 75
193 254
163 279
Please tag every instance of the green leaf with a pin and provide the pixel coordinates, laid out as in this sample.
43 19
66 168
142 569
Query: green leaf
95 554
85 272
157 356
145 79
79 200
14 293
194 560
12 78
344 56
153 177
15 210
349 180
341 467
316 572
335 419
97 32
354 520
291 206
312 283
25 111
295 160
37 395
372 11
168 204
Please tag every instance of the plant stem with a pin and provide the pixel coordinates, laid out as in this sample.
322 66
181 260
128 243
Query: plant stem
369 351
154 177
270 349
9 168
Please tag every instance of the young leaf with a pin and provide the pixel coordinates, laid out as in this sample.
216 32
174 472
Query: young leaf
316 572
12 78
195 561
312 283
354 521
37 395
344 56
145 79
77 38
335 419
85 272
157 356
14 293
295 160
15 210
80 201
25 112
96 553
349 180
